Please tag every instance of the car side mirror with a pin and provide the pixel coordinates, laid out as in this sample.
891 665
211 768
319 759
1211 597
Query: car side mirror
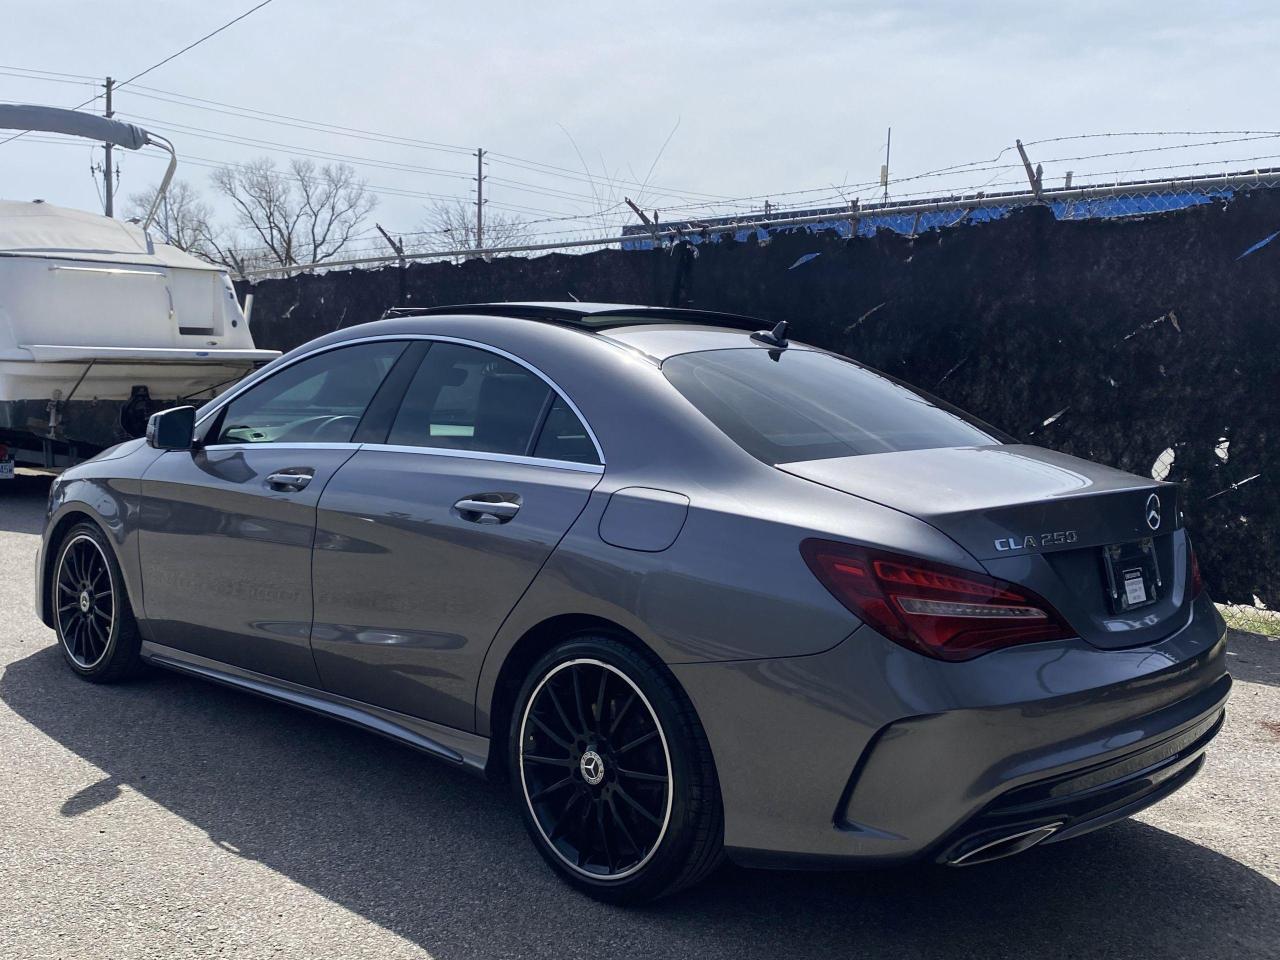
172 429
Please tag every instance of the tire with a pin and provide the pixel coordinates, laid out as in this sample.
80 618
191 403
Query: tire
622 834
96 629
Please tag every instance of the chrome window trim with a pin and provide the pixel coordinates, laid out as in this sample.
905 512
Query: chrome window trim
287 445
547 462
486 455
216 405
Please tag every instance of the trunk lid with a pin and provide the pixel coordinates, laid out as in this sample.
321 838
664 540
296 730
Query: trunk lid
1041 519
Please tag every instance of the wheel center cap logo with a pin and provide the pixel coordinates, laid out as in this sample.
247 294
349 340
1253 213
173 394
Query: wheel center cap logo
592 767
1153 511
84 601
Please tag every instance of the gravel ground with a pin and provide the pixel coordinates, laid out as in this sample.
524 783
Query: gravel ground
172 818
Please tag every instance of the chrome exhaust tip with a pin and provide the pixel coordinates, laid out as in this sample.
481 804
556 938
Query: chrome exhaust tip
1005 846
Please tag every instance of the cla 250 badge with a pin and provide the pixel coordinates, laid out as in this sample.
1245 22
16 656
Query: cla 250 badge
1054 539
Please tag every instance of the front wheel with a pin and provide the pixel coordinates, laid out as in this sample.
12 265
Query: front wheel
614 773
94 622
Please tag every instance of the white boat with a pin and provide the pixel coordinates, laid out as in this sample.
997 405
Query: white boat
100 324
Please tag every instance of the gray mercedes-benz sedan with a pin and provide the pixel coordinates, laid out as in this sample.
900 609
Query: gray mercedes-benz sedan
694 589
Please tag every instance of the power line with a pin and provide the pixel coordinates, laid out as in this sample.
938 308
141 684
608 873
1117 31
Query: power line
715 200
222 136
192 45
160 63
205 133
213 163
51 73
251 113
371 162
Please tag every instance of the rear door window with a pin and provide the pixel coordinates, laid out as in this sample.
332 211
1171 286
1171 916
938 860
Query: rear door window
785 406
465 398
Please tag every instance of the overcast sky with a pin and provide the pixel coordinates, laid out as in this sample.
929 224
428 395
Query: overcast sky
769 97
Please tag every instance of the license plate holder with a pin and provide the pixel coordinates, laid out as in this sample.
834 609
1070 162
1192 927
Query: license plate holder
1132 575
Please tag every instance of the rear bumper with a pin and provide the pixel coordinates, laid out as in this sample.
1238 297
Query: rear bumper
1076 803
871 754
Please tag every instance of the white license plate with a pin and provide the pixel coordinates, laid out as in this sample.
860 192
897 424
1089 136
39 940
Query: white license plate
6 469
1135 588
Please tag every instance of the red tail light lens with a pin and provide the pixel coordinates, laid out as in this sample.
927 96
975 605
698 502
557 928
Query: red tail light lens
1197 582
936 610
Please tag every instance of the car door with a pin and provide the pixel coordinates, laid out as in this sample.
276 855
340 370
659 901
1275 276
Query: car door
425 543
226 529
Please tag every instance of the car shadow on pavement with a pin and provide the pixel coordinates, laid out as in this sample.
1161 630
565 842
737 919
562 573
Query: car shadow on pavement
22 503
1253 657
441 859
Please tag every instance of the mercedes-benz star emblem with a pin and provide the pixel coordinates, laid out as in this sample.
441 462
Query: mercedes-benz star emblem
592 767
1153 511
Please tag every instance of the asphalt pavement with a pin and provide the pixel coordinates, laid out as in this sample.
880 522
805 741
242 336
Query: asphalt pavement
172 818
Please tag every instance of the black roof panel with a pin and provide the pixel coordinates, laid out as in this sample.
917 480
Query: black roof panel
587 316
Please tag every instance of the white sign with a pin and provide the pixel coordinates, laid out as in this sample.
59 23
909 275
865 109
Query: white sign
1135 590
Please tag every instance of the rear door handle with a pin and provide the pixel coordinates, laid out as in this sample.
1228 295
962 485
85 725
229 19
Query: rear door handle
289 481
479 510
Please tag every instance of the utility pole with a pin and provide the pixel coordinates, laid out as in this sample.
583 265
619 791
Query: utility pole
108 183
479 198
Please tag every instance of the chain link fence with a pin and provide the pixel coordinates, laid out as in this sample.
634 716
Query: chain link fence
1251 619
911 217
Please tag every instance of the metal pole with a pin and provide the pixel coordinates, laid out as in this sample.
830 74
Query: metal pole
653 229
1033 176
395 245
884 174
108 184
398 247
479 198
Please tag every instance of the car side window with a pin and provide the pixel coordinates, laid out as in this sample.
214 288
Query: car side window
317 400
464 398
563 436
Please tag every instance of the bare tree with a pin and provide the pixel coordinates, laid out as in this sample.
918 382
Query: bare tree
183 218
306 214
451 225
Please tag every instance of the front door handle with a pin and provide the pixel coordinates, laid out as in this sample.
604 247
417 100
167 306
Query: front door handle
478 509
286 480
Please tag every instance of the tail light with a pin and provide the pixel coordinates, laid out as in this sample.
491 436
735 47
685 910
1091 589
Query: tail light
940 611
1197 582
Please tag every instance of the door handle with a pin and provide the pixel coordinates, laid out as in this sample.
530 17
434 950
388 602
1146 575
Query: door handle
479 510
289 481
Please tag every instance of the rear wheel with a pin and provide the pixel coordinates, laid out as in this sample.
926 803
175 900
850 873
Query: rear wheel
614 773
94 622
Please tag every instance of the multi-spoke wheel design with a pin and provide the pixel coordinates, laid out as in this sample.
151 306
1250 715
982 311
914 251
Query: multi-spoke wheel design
595 769
85 598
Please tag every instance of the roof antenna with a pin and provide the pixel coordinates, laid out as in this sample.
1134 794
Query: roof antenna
777 337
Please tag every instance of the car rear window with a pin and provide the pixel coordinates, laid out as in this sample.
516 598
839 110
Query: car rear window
784 406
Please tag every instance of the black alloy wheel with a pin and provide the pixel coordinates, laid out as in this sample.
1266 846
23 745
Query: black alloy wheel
85 596
91 612
595 769
614 772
